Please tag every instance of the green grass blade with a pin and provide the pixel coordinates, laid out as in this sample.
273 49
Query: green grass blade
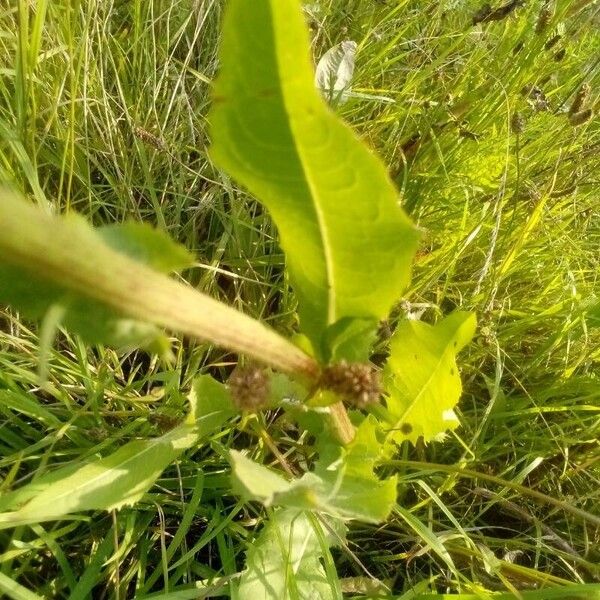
15 591
93 570
589 591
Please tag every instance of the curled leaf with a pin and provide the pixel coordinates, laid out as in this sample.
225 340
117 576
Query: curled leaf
335 70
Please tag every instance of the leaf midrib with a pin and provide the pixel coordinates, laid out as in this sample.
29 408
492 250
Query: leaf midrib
288 99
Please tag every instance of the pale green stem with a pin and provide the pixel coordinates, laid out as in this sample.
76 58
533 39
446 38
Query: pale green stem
67 252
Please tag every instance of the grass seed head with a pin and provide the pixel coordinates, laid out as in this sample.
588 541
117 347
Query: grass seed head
544 18
581 117
560 55
487 14
249 387
552 41
357 383
581 98
150 139
535 97
517 123
482 14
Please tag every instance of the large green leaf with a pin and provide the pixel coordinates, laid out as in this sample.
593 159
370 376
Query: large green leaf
123 477
284 563
343 483
347 241
109 285
112 482
421 376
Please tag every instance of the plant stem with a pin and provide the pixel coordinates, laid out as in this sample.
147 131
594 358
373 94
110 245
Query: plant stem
340 423
67 252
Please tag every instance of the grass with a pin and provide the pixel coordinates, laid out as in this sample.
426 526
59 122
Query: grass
102 110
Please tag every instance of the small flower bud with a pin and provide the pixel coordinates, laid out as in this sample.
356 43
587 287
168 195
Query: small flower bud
357 383
249 387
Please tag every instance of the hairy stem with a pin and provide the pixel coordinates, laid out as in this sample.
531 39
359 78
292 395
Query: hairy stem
67 252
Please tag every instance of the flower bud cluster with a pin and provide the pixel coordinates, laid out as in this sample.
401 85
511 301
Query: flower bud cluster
357 383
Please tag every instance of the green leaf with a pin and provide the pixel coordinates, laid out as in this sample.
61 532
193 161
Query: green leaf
284 562
17 498
343 483
123 477
147 245
348 244
591 312
253 481
113 482
349 472
28 405
421 376
105 295
211 405
284 389
350 339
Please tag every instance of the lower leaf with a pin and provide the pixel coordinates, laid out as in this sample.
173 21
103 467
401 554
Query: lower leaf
343 483
285 561
122 478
